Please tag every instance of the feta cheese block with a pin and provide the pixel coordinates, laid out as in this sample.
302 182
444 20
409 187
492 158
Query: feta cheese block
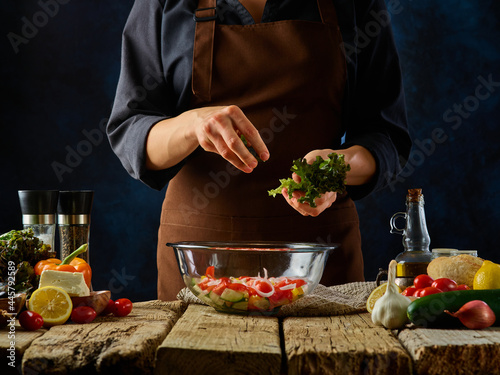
72 282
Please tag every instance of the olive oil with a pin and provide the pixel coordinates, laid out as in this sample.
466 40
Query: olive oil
416 256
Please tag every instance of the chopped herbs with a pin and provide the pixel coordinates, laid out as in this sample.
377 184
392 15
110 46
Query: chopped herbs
320 177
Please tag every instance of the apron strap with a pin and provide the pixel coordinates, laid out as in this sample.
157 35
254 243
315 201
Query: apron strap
203 49
327 12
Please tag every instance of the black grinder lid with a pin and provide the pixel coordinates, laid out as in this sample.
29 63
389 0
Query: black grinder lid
77 202
38 202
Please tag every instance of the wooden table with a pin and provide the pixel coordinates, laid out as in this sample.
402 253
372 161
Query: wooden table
173 338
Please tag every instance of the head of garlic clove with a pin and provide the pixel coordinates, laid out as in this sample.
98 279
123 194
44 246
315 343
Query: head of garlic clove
390 310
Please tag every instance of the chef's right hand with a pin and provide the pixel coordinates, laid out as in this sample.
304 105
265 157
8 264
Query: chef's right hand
218 130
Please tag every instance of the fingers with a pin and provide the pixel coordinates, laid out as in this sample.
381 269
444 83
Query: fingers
322 203
220 133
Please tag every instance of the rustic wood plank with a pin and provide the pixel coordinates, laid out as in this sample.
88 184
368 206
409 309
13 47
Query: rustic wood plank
10 362
457 351
126 345
207 342
349 344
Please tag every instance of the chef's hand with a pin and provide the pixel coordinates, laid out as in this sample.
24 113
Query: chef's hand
219 130
215 129
363 169
322 203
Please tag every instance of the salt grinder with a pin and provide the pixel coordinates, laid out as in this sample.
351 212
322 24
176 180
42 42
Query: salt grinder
73 219
39 208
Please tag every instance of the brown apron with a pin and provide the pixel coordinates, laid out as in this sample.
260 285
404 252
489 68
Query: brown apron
288 77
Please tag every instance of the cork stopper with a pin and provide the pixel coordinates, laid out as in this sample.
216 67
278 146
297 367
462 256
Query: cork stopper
414 195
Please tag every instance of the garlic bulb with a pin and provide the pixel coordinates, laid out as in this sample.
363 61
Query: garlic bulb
390 309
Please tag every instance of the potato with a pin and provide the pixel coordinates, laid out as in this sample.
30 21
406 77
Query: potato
460 268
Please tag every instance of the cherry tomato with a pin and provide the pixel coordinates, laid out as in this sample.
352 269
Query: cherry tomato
423 281
444 284
462 287
30 320
428 291
109 309
122 307
83 314
409 292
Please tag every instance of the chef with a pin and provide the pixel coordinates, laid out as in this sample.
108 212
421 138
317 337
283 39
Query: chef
295 78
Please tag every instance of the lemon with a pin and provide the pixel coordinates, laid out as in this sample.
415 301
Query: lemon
375 295
52 303
488 276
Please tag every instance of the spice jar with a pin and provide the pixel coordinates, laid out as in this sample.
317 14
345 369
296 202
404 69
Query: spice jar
73 220
39 208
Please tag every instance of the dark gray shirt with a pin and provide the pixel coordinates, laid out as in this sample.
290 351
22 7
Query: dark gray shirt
155 79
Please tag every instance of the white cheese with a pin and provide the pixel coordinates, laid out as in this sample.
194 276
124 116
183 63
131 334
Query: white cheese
72 282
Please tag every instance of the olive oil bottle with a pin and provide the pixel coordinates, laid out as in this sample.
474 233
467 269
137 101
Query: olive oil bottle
416 256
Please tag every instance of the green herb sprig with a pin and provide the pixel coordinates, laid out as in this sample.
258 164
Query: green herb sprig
322 176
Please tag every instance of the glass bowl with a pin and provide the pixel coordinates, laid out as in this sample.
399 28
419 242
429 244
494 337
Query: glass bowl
251 277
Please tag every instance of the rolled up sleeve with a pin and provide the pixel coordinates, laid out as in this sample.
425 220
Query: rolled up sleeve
142 95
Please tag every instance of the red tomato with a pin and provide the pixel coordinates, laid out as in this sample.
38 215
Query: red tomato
444 284
423 281
281 297
122 307
207 284
462 287
30 320
238 287
409 292
221 286
83 314
428 291
263 286
109 309
298 283
210 272
417 293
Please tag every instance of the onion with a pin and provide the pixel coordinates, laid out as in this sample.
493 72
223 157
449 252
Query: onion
475 315
262 294
289 286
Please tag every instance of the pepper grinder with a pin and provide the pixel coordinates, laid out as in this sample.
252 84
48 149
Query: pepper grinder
39 208
73 220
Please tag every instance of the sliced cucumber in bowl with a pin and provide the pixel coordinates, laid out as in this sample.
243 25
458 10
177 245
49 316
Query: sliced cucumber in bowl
232 295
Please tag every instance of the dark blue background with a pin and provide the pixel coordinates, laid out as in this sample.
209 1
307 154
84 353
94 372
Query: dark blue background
58 88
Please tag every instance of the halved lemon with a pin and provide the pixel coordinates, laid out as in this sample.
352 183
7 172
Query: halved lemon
52 303
375 295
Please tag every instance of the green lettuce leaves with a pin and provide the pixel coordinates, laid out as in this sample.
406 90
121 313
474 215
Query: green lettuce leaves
22 250
322 176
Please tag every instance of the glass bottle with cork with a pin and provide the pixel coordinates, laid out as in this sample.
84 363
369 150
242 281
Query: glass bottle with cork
413 261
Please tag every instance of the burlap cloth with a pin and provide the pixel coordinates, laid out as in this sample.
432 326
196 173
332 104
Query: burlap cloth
323 301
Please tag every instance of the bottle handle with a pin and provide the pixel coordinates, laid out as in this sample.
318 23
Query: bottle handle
394 228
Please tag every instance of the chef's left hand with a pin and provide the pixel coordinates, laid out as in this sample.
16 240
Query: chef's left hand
322 203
